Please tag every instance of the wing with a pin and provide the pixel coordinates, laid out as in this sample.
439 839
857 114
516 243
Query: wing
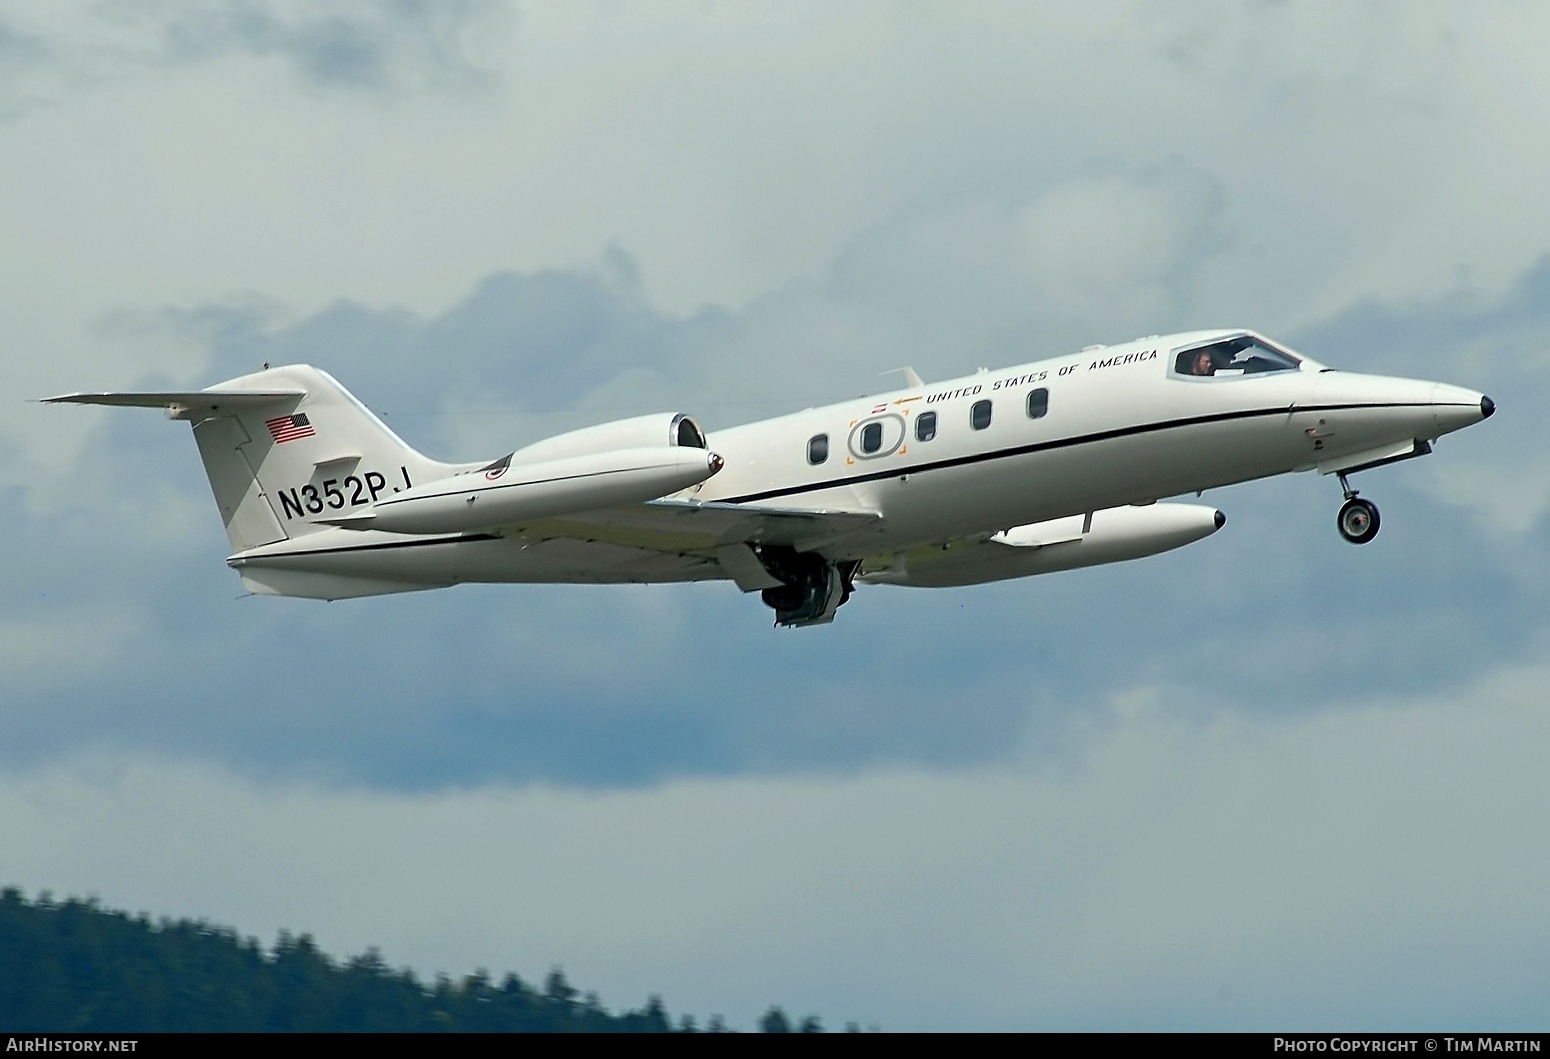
720 532
662 540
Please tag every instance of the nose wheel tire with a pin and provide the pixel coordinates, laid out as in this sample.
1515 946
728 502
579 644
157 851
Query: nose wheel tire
1358 520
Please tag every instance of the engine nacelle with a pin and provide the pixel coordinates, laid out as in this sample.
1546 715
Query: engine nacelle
506 492
642 432
1108 536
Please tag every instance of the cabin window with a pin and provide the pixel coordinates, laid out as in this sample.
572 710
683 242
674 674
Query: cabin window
817 449
879 436
1233 358
925 426
871 438
979 415
1038 403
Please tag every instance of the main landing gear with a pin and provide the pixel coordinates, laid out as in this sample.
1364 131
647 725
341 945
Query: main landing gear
1358 519
812 588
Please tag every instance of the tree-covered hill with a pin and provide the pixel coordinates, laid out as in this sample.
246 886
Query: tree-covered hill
75 966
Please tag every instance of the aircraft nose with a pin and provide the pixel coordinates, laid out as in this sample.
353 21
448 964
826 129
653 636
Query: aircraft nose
1454 407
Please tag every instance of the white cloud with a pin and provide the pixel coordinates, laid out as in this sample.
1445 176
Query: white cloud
735 150
50 645
1506 500
1105 246
862 188
530 354
1369 868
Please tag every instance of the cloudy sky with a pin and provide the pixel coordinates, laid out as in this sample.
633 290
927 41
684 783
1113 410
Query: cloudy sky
1268 781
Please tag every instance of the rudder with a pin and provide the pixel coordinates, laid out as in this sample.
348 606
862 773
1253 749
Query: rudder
278 469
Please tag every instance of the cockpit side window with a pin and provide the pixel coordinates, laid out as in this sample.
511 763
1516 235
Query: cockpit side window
1234 357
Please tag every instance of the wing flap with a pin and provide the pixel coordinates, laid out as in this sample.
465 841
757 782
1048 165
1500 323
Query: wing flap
689 526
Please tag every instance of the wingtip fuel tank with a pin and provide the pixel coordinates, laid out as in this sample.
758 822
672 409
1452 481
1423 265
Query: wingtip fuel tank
1109 536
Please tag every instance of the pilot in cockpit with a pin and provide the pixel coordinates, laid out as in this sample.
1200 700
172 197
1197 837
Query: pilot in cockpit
1238 356
1203 363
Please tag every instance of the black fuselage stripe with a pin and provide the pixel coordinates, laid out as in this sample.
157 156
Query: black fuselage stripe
1061 443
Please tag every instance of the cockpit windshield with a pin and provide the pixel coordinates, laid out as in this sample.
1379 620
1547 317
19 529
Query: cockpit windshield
1232 357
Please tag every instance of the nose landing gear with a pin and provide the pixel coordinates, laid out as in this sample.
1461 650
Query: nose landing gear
1358 519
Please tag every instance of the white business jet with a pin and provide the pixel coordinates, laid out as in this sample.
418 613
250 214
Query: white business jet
1047 466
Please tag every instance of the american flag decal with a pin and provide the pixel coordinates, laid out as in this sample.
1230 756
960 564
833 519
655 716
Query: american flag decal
289 428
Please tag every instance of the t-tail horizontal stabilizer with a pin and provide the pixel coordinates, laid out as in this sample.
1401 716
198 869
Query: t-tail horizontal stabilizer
283 446
180 402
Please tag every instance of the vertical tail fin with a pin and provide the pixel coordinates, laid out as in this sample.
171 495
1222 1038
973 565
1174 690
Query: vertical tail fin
285 446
